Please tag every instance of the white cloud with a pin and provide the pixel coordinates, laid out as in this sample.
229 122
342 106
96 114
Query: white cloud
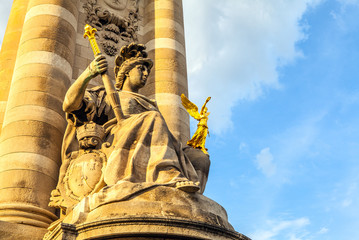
342 15
323 230
242 146
345 195
290 147
284 229
347 202
264 161
350 195
234 49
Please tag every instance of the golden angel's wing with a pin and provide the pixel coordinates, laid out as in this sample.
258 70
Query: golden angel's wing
191 108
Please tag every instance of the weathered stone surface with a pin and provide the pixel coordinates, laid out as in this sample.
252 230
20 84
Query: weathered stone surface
200 162
12 231
164 37
159 213
9 49
145 228
116 22
160 201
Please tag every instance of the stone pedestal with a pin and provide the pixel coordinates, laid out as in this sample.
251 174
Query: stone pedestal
137 228
159 213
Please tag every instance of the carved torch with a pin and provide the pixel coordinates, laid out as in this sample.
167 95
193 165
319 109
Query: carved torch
109 87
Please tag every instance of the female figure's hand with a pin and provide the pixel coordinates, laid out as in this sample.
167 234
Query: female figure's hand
98 66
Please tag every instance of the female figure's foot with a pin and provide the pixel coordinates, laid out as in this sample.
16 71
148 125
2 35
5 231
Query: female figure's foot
188 186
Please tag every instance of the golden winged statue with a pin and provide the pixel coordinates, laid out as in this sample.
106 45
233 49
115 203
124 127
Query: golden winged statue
199 138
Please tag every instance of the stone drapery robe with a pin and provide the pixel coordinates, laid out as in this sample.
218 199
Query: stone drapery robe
142 149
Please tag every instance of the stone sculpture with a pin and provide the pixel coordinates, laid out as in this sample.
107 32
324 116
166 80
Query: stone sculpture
131 152
199 137
124 174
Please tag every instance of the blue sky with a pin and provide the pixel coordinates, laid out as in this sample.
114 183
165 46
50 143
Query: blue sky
283 78
284 120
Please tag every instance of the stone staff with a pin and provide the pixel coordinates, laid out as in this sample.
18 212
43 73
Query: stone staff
109 87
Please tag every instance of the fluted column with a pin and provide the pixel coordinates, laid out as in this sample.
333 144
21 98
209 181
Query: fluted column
34 122
9 50
164 38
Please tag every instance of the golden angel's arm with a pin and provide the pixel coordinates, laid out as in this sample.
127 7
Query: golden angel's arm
204 105
191 108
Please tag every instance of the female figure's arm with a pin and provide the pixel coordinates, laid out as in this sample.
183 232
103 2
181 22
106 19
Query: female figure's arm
75 94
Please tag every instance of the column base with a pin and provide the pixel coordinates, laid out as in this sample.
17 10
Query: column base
11 231
26 214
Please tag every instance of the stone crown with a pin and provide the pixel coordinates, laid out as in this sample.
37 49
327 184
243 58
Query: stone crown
90 130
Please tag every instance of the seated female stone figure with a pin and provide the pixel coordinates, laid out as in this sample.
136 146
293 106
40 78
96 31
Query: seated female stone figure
138 152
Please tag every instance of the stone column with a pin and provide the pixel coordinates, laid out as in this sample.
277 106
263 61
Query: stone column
34 122
164 38
9 51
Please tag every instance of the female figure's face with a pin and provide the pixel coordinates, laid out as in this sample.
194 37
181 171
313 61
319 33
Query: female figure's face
136 78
